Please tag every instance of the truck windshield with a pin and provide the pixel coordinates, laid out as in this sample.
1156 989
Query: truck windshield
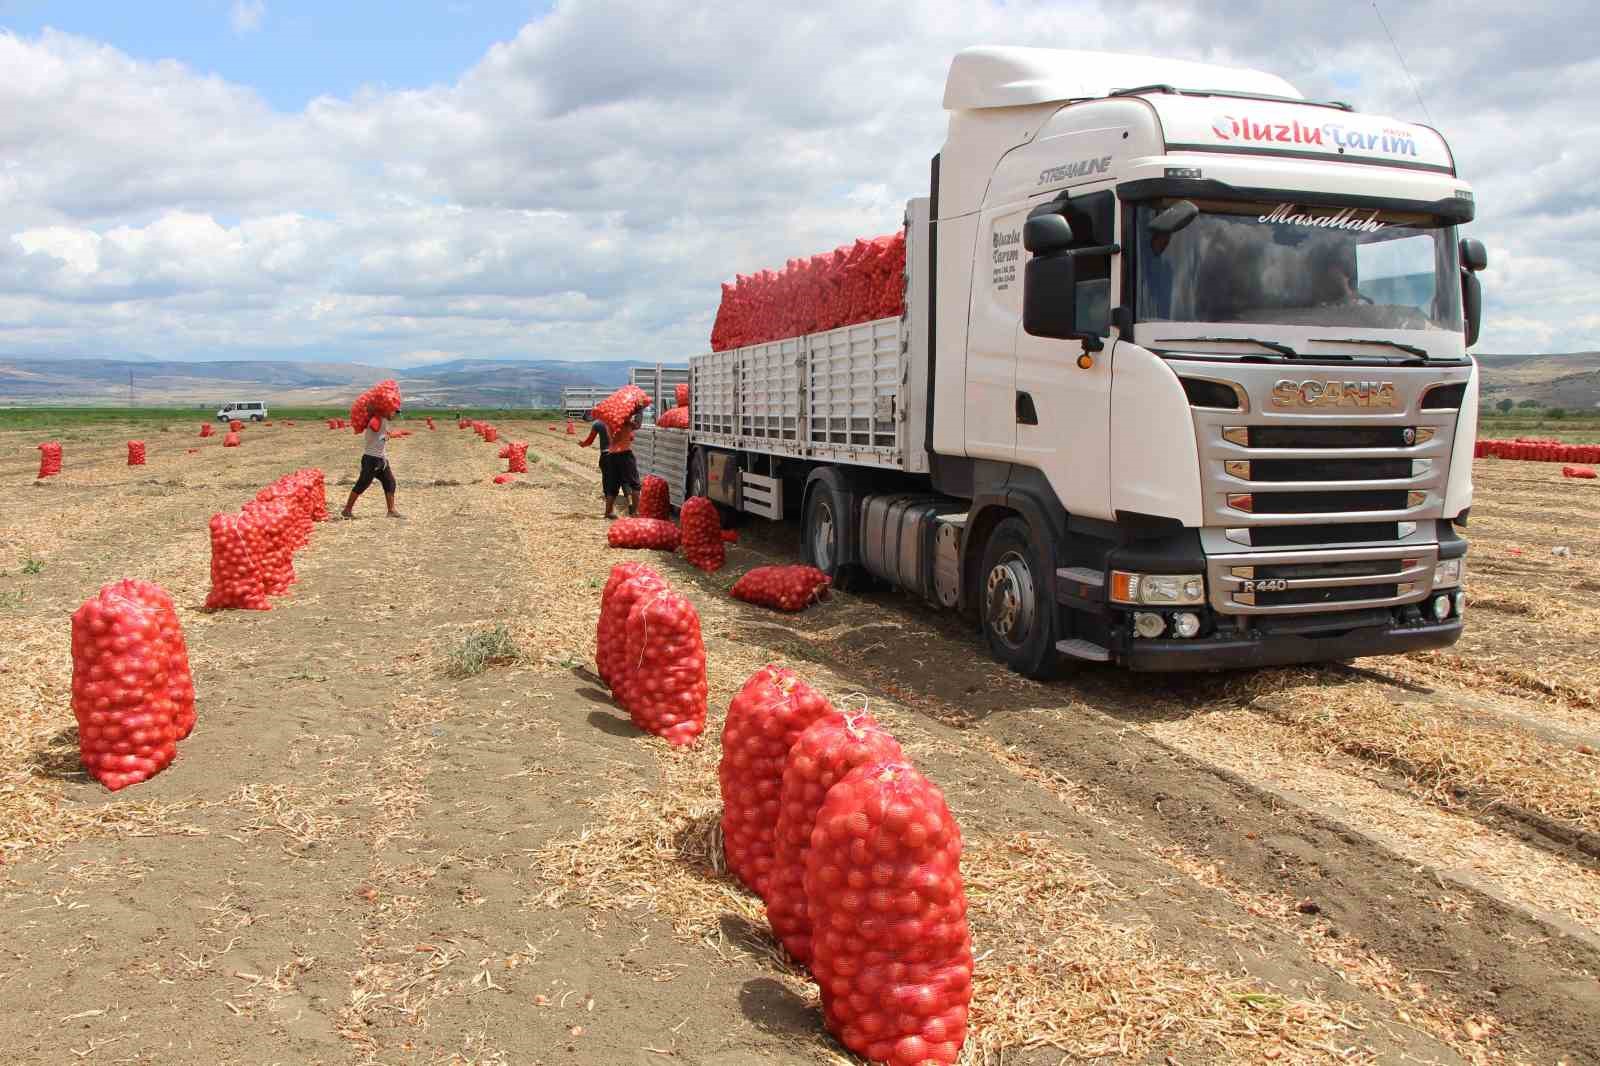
1300 264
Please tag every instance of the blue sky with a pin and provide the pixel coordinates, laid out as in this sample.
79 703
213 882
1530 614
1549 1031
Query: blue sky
291 52
400 183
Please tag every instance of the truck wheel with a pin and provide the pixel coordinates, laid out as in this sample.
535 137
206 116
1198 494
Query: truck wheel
821 533
1018 614
699 480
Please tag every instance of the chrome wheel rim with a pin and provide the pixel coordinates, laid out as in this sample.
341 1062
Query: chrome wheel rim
1009 599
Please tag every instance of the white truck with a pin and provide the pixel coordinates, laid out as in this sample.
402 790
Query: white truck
1181 383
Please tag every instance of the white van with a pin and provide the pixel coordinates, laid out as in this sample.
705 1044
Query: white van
243 411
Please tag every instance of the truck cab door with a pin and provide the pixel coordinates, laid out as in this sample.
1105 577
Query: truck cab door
996 309
1063 408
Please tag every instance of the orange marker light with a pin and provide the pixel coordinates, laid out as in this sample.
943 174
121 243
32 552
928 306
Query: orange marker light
1085 361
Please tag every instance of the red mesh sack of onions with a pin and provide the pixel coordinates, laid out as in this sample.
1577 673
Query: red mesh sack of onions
675 418
890 948
772 709
206 430
663 684
680 393
122 691
236 579
702 534
501 479
625 584
517 458
231 440
271 536
820 757
136 453
654 501
49 459
617 408
787 588
180 679
657 534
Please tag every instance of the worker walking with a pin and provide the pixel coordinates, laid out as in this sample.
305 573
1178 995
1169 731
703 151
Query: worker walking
619 471
374 466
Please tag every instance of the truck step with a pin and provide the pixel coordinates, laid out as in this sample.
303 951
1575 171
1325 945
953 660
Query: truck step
1082 575
1087 650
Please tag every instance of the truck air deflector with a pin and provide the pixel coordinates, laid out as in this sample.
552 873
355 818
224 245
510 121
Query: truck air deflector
1456 209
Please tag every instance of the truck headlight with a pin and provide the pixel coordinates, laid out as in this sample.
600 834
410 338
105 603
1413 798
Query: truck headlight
1163 590
1449 573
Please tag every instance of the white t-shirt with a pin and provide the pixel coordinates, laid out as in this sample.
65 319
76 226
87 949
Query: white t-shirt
374 441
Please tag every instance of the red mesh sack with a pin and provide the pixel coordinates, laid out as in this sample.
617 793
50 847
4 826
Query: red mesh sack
654 533
505 451
788 588
231 440
617 408
501 479
122 693
676 418
820 757
206 429
680 393
136 453
654 500
1584 472
235 426
702 534
571 432
890 949
764 718
271 533
491 434
518 458
663 685
180 680
625 584
236 580
49 459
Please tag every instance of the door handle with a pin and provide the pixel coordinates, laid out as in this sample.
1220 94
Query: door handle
1026 415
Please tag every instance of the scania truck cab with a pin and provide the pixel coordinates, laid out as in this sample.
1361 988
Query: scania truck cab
1182 377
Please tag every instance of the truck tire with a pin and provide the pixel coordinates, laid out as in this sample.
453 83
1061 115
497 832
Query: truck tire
820 528
1015 607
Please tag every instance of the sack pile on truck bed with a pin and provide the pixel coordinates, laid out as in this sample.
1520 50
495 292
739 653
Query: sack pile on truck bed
856 283
1538 450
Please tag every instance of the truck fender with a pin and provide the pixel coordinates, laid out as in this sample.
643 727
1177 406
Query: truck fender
989 510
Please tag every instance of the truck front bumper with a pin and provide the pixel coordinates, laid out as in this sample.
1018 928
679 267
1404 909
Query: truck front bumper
1285 649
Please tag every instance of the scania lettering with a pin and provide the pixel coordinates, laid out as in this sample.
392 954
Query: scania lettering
1182 380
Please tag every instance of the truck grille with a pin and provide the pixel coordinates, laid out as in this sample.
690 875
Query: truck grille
1324 502
1326 437
1281 470
1332 533
1327 579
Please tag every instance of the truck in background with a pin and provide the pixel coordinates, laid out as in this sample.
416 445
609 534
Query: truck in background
1181 381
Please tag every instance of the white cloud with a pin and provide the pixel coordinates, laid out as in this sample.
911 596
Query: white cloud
584 188
247 15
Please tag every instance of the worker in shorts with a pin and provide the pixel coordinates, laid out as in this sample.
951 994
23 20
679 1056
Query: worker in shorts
619 472
374 466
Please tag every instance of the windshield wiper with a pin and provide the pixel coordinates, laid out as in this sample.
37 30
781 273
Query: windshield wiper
1409 348
1271 346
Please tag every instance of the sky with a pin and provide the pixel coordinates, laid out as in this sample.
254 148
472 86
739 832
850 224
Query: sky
402 183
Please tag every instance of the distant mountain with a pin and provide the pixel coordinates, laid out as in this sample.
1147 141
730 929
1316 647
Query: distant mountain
1570 380
459 382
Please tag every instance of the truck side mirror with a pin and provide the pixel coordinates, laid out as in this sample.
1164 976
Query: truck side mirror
1047 234
1174 218
1474 257
1049 287
1471 305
